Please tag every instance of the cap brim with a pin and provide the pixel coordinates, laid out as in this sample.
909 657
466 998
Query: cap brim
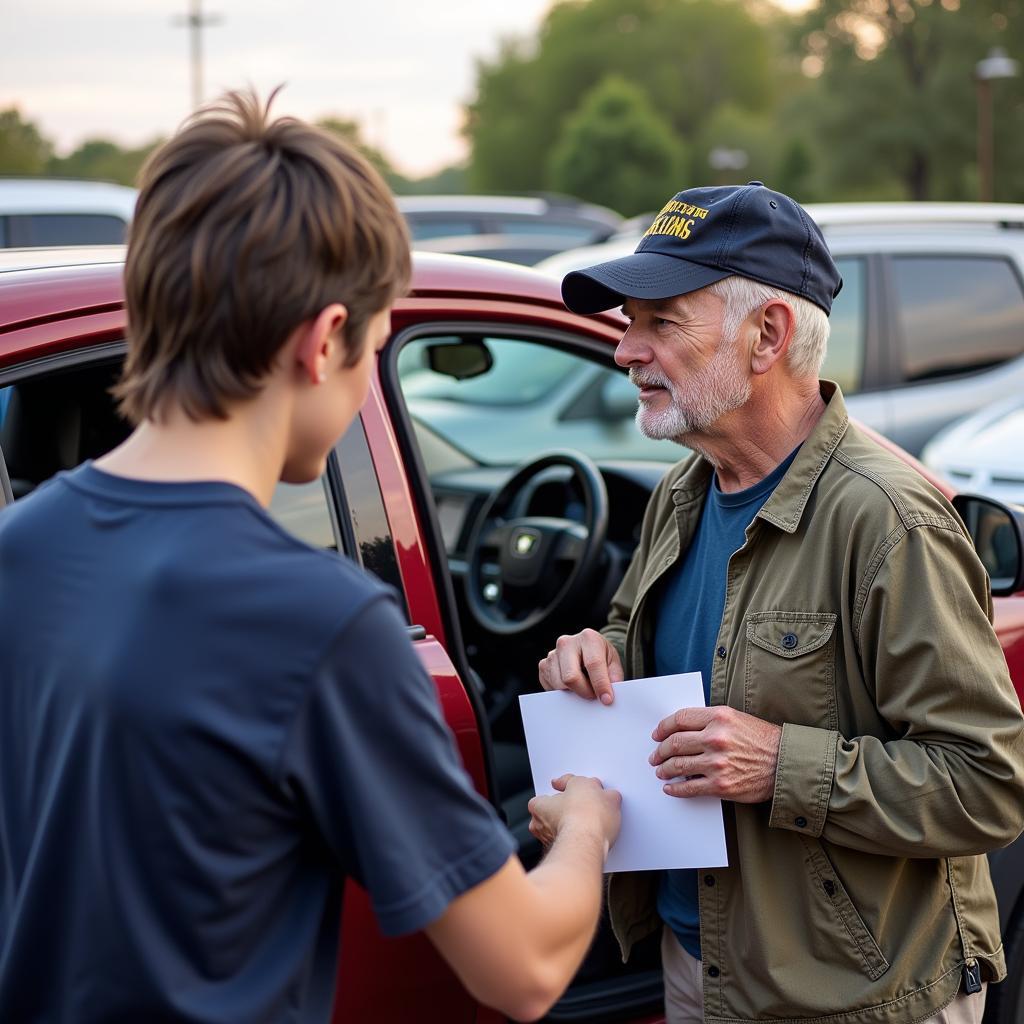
641 275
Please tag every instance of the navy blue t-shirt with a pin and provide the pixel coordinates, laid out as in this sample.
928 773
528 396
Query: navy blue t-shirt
205 726
688 619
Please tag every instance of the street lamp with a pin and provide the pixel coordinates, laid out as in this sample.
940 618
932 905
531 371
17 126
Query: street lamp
995 65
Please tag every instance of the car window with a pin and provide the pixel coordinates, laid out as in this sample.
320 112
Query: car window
522 373
424 229
844 359
534 398
304 510
371 543
56 421
574 234
957 314
39 229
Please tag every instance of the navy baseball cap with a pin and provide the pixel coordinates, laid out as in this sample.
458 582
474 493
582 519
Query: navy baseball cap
703 235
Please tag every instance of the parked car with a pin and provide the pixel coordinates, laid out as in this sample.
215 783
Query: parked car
929 326
53 211
403 501
524 249
569 220
984 453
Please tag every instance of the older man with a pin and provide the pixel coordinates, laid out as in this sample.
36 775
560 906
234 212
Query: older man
861 722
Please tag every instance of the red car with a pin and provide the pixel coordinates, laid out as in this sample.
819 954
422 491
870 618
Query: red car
431 517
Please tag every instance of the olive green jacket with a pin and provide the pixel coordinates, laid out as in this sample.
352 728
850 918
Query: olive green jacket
858 893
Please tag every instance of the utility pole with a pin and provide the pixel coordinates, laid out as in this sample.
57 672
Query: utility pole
196 21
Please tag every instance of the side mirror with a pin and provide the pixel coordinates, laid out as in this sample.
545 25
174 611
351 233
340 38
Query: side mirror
998 534
462 359
618 398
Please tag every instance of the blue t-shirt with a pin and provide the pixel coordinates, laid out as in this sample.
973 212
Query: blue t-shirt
205 726
688 619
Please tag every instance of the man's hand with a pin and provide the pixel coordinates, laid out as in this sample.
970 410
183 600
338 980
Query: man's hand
719 752
585 663
580 801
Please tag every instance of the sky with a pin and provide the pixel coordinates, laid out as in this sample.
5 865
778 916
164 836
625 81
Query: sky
120 69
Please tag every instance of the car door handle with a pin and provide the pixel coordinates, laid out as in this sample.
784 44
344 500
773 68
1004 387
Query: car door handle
416 632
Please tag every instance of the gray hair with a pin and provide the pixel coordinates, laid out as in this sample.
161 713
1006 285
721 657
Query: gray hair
810 331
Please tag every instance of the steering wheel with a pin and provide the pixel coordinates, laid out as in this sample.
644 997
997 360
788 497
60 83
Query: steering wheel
524 570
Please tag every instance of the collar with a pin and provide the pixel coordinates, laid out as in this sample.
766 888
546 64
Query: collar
785 507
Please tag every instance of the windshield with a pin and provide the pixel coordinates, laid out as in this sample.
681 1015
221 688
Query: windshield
534 398
521 374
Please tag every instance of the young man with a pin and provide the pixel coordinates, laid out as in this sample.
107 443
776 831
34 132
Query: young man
205 725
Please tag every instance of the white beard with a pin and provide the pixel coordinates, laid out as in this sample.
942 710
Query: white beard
697 404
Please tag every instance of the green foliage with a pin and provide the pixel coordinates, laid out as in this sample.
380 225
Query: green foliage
896 110
103 160
350 131
686 56
23 150
447 181
743 132
616 151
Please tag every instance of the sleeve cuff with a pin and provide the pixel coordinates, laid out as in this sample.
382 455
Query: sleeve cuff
803 779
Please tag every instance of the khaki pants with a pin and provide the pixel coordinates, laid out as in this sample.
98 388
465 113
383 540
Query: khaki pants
684 991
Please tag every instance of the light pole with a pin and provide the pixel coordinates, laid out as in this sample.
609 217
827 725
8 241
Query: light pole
995 65
195 21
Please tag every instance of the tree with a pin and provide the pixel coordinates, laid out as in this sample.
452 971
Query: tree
616 151
23 150
746 135
350 131
896 110
103 160
687 56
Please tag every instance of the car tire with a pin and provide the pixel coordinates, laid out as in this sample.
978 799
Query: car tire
1005 1001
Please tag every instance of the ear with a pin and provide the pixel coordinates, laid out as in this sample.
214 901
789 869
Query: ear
318 340
774 324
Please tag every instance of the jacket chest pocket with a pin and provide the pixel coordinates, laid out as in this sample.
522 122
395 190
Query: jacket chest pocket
789 674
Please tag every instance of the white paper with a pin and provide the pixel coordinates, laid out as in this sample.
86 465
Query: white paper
565 733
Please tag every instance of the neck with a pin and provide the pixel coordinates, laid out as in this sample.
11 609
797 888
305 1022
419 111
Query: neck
246 449
745 445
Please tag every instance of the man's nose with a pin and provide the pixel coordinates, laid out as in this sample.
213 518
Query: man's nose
631 351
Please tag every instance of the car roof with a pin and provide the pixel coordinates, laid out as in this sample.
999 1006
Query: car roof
39 284
528 206
58 195
919 215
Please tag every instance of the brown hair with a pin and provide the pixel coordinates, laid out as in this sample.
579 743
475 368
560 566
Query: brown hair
244 228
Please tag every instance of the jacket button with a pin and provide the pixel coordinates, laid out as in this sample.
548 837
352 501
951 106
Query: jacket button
713 972
829 886
789 641
709 880
801 822
721 652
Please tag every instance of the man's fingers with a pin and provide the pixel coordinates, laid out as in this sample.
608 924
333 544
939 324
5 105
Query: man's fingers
615 670
570 667
596 664
683 720
561 782
691 787
601 661
678 744
679 767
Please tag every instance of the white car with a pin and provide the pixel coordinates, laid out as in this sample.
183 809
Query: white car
984 453
57 212
929 326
